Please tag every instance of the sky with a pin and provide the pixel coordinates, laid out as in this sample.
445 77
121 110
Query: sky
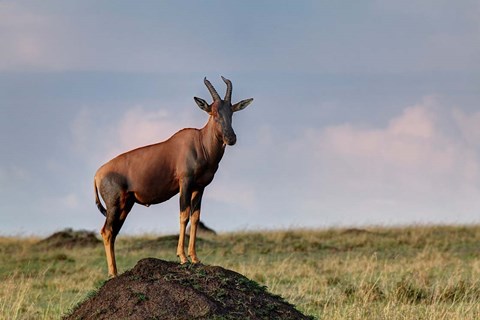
365 112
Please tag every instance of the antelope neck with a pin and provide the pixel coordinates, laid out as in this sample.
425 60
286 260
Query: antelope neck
212 144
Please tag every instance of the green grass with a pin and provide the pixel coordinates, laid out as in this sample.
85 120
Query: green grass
418 272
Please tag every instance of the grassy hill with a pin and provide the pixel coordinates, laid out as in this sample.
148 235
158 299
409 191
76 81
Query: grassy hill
417 272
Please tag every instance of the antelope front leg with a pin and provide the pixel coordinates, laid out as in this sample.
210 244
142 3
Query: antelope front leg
185 201
192 253
184 216
196 202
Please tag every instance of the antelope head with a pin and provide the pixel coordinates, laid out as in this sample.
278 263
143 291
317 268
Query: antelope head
222 110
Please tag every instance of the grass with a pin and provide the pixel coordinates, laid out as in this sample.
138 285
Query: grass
417 272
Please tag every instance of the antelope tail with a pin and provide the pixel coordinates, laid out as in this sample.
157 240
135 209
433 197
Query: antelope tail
97 199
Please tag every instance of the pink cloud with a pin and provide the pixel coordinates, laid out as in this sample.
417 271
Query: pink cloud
411 140
135 128
139 127
414 167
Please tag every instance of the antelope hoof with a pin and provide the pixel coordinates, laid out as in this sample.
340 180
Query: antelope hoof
195 260
183 259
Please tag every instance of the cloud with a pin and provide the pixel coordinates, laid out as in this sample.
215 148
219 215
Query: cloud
469 127
137 126
65 202
13 173
413 168
411 140
28 39
169 38
133 38
227 190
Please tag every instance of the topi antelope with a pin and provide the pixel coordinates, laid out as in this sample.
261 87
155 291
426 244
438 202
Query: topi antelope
185 163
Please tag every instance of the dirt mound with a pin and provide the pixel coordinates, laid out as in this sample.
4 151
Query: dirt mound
355 231
157 289
170 241
69 238
202 229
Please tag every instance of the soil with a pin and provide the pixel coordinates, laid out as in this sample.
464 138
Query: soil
69 238
158 289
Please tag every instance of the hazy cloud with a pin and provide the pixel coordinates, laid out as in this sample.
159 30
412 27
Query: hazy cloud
12 174
134 128
378 38
22 34
411 165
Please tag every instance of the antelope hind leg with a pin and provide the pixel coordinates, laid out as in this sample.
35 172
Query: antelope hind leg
115 219
109 243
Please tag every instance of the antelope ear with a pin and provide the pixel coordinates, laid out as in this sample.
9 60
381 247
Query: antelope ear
241 105
203 104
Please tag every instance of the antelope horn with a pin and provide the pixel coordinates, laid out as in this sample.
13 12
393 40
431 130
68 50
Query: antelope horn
228 95
212 90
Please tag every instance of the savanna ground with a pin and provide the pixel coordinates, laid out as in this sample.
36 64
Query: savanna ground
417 272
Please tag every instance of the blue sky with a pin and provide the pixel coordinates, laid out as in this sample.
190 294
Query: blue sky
365 112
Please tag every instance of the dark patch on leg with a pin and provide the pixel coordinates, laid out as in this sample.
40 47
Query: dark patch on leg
197 200
111 188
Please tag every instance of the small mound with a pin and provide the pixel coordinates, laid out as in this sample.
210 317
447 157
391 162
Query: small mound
355 231
69 238
157 289
203 230
170 241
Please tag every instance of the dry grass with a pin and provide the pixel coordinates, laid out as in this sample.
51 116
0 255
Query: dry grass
420 272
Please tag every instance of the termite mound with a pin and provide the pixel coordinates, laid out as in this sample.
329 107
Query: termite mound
157 289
